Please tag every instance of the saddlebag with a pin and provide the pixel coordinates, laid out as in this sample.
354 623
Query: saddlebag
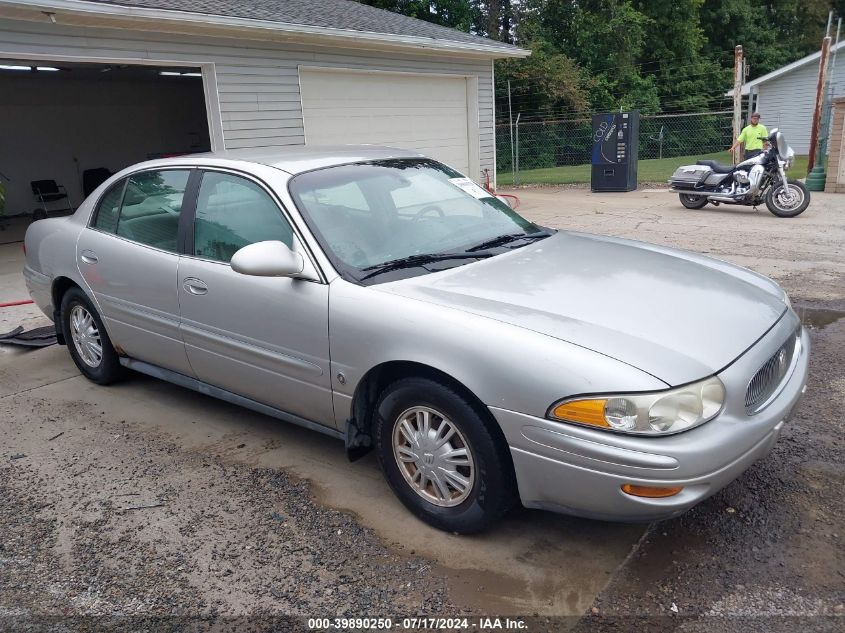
690 176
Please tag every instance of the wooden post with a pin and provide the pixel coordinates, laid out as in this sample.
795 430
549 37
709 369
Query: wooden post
738 77
817 113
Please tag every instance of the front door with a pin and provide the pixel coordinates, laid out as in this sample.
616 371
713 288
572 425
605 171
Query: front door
128 257
265 338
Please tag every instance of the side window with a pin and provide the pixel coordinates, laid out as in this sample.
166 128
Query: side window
151 207
233 212
105 218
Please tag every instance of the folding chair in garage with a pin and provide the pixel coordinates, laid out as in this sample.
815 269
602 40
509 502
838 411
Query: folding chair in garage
48 191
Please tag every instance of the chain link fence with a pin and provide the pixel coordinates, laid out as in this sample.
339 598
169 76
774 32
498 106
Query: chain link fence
549 144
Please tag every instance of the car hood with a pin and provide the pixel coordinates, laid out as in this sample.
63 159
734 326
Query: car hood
673 314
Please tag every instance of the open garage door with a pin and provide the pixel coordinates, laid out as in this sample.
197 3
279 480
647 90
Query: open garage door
427 113
73 124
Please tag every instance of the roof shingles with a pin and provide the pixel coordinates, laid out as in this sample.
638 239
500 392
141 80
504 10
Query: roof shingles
329 14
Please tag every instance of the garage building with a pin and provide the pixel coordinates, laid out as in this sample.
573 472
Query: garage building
786 97
89 87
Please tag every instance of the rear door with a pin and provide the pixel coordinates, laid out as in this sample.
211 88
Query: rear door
129 258
265 338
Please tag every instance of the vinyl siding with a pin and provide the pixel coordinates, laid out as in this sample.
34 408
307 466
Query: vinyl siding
788 101
257 82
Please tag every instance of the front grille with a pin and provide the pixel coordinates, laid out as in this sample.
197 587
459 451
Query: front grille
771 375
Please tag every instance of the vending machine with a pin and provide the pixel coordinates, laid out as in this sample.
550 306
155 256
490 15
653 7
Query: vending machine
615 149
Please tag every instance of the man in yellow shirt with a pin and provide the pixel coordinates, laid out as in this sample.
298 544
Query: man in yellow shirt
754 136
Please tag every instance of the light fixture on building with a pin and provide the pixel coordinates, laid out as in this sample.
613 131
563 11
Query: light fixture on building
171 73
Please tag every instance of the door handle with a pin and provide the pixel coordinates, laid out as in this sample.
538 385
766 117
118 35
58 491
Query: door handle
195 286
89 257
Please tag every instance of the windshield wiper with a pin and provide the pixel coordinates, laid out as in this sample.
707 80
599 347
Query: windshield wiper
501 240
413 261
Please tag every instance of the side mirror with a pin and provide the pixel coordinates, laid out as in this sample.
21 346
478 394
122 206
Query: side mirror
267 259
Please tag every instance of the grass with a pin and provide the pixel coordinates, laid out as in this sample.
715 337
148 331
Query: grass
656 170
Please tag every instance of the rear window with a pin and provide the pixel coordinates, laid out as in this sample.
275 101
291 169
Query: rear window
105 217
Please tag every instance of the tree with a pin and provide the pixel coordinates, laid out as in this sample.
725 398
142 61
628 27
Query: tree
687 78
771 32
654 55
457 14
545 82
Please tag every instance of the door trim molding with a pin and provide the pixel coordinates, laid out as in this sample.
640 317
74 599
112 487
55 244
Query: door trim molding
216 392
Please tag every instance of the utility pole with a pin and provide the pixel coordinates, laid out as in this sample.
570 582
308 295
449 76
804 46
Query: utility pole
817 112
738 77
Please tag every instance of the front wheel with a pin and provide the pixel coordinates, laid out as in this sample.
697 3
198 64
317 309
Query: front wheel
440 456
692 202
787 202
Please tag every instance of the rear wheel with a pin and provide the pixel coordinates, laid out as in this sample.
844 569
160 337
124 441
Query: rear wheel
440 457
692 202
787 202
88 343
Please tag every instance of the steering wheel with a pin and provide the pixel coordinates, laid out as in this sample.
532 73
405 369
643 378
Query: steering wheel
432 207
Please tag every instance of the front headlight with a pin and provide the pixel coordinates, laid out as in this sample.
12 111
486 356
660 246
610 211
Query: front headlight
660 413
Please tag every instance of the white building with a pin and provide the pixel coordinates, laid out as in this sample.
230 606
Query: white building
87 84
786 97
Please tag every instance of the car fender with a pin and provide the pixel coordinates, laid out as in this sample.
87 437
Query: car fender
51 254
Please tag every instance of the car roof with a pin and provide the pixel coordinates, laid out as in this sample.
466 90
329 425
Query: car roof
300 158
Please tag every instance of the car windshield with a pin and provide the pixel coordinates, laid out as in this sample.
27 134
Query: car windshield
400 216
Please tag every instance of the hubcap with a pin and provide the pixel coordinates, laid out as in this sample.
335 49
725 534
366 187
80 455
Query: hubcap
433 456
86 336
789 199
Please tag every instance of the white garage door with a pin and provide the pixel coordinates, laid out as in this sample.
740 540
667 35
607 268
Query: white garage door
428 114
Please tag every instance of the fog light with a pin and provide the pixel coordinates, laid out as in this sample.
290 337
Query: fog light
654 492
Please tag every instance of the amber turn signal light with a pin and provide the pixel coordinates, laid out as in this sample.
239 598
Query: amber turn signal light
653 492
583 411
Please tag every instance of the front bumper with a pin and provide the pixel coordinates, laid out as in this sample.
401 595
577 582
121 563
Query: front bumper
581 471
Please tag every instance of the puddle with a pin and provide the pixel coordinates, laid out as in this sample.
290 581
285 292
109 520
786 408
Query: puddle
819 318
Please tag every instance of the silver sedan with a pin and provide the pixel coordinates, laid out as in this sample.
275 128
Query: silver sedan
384 299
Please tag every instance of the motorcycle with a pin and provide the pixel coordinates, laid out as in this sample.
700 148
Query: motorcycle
759 179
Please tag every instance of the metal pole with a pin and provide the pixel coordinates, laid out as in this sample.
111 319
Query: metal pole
662 128
828 106
516 158
738 77
817 112
510 121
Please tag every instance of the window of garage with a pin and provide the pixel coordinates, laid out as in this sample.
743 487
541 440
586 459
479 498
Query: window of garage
73 124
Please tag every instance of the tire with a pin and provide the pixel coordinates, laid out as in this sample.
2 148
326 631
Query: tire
79 315
777 206
692 202
484 465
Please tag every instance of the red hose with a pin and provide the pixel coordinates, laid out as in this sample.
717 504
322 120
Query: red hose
16 303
